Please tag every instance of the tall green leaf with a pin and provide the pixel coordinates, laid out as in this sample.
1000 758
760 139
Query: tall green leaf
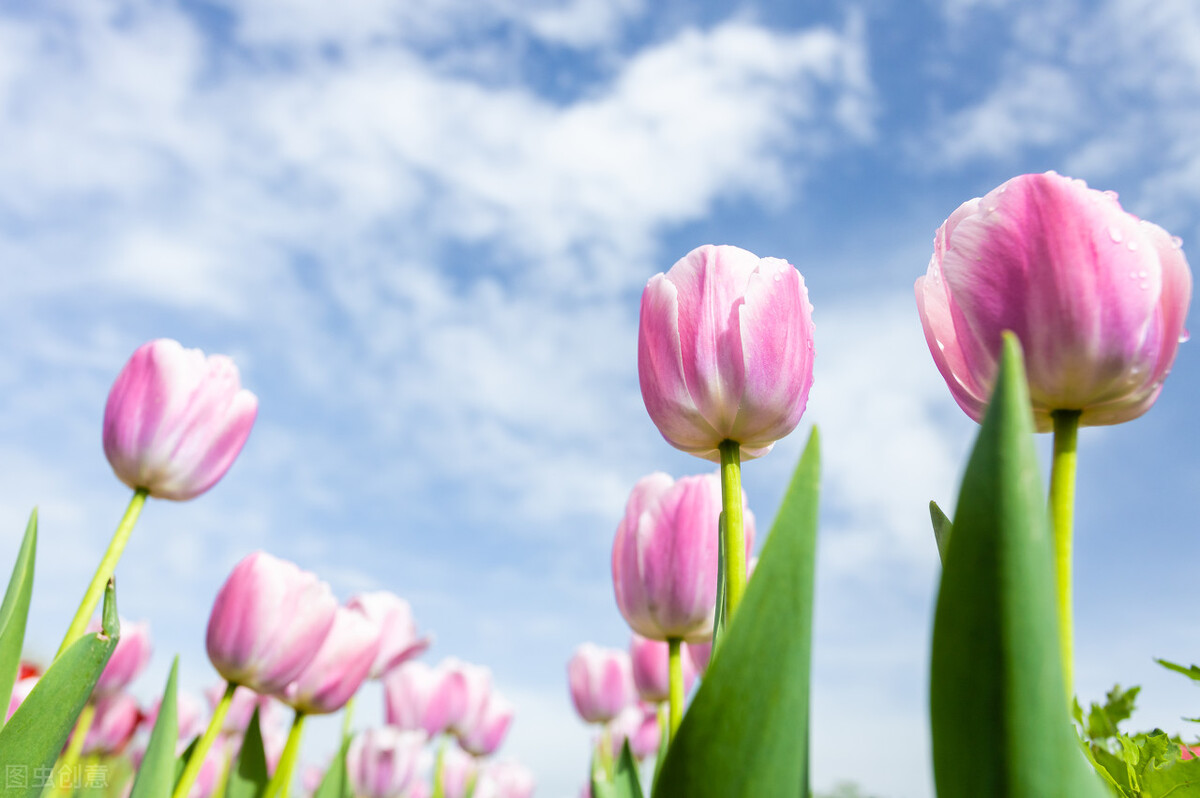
336 781
1001 726
15 611
942 527
156 776
35 735
248 777
746 732
625 782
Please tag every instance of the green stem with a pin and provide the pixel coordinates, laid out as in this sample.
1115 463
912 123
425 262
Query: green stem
188 777
439 789
735 534
281 781
1062 513
347 716
104 572
675 681
606 755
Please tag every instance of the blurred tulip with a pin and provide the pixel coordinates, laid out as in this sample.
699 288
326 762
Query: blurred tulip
340 666
639 725
700 654
725 351
666 553
189 713
483 732
176 420
458 772
382 763
128 659
650 669
1097 297
268 622
417 696
506 778
601 681
113 726
241 709
398 642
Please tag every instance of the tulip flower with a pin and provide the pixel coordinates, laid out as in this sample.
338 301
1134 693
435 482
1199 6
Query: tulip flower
340 666
601 681
128 659
506 778
1097 297
417 696
482 732
650 660
640 726
398 642
242 706
117 718
456 773
189 714
382 763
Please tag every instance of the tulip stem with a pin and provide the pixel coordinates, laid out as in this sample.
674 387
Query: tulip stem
439 789
281 781
108 564
192 770
347 717
735 533
675 682
1062 513
66 763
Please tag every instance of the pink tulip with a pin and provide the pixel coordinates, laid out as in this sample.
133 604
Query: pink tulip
417 696
20 692
725 351
113 726
459 770
651 668
128 659
189 714
639 725
665 556
1097 297
399 641
506 778
176 420
211 770
340 666
700 654
482 732
601 681
241 709
477 690
419 789
382 763
267 623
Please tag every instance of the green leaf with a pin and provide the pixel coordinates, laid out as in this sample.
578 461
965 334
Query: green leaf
1177 779
336 782
625 782
1000 717
35 735
746 733
1192 673
1118 706
722 587
941 529
15 611
156 777
248 777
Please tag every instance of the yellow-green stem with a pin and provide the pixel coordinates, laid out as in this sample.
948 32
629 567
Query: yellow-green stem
735 535
188 777
282 780
69 758
664 727
108 564
439 789
606 755
675 682
1062 513
347 716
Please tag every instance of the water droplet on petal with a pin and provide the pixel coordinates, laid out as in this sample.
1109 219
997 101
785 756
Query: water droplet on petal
1051 172
1112 195
1133 245
778 276
1142 274
1177 242
1184 337
1144 286
1115 234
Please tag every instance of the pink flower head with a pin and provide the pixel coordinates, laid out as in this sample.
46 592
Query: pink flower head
725 351
459 771
340 666
506 778
601 681
382 763
417 696
128 659
242 707
700 654
639 725
176 420
189 714
651 660
268 622
665 556
483 732
399 641
1097 297
116 719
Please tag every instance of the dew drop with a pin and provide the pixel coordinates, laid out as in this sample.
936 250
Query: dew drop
1177 242
1133 245
1051 172
1112 195
1184 337
1115 234
1144 286
1142 274
778 276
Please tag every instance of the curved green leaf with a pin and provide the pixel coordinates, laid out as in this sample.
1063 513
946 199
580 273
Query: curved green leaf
746 732
35 734
336 783
156 777
1000 719
625 782
942 527
248 777
15 610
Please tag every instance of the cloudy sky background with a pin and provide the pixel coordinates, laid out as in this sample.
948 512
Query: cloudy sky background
422 229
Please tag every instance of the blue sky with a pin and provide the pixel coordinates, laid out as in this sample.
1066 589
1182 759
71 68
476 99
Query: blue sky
422 228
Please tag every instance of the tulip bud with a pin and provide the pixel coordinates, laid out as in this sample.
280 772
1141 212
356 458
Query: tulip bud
482 732
666 555
459 770
1097 297
340 666
639 725
398 641
113 726
651 667
268 622
417 696
128 659
382 763
175 420
601 681
725 351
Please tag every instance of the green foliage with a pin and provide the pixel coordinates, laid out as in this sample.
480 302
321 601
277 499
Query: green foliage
15 610
248 777
156 777
844 789
1192 672
998 701
336 782
33 738
624 782
746 732
942 526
